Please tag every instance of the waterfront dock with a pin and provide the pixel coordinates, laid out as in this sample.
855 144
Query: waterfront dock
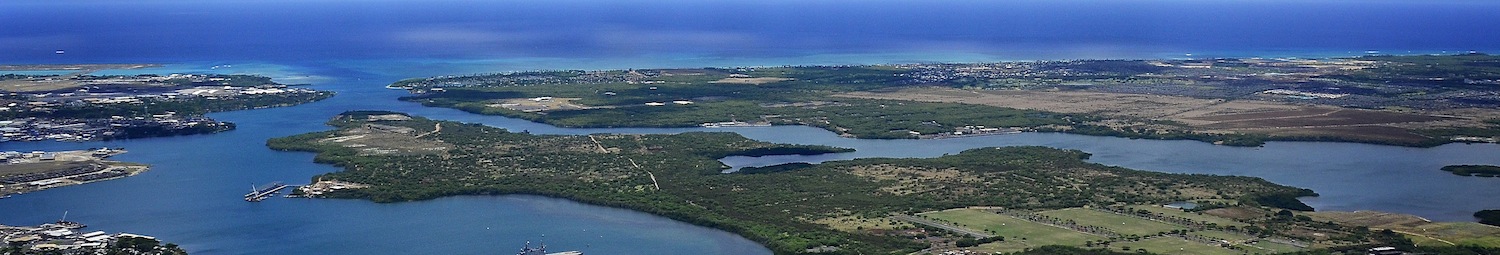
263 192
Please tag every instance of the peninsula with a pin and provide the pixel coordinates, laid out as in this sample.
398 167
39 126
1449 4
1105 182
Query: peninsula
78 106
22 172
1397 100
862 206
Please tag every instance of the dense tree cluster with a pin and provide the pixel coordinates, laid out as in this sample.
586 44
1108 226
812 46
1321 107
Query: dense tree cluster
1488 217
1473 170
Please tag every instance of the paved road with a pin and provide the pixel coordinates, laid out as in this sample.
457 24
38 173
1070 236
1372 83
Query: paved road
956 229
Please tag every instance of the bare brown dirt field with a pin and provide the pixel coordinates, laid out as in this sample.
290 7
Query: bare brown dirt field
531 105
1356 133
1340 117
1479 113
1300 112
751 81
37 85
1206 114
381 139
1370 218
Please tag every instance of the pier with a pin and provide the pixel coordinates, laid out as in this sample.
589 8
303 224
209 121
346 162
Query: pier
263 192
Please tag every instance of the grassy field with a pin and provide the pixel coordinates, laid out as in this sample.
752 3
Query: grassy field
1269 248
1222 235
1462 233
1221 221
1426 241
1119 223
1486 241
1019 234
1173 245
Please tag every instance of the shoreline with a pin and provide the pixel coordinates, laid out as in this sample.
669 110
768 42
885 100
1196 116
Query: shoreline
940 136
106 170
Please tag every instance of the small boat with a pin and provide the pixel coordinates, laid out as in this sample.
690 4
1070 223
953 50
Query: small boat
59 52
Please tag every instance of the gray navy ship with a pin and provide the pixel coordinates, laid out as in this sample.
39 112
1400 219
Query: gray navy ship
542 250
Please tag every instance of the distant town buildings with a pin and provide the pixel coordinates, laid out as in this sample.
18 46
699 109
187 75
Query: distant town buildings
1302 95
74 115
64 237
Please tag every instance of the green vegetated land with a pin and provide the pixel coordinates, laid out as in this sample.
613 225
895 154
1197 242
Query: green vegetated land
1412 89
1223 229
783 95
1474 170
840 207
1488 217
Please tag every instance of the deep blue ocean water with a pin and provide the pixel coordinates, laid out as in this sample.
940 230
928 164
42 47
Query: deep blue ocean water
354 47
323 30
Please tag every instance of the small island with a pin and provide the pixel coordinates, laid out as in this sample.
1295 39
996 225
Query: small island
862 206
1474 170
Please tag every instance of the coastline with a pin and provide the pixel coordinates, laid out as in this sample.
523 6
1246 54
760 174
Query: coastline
104 170
1257 141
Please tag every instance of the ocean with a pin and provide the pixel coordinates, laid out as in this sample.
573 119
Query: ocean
707 32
